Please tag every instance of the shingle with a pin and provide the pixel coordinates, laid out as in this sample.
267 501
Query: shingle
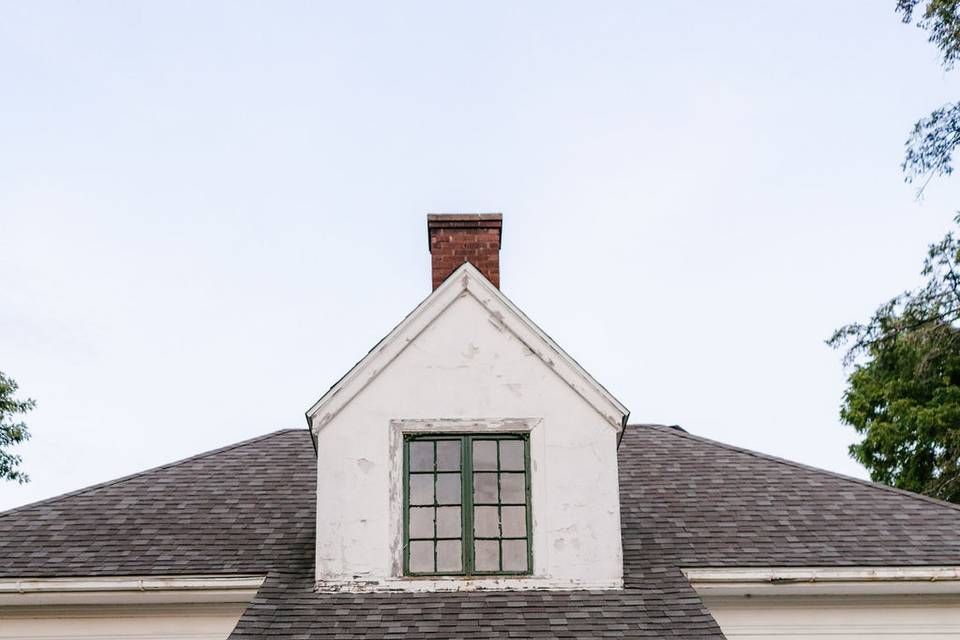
685 502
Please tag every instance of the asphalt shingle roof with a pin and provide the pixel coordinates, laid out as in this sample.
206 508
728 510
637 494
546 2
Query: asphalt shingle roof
685 502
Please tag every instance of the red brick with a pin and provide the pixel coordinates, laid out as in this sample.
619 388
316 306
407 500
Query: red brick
458 238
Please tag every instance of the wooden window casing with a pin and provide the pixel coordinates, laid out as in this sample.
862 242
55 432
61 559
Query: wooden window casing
466 505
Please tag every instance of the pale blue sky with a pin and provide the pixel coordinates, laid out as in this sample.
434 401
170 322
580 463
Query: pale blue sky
209 212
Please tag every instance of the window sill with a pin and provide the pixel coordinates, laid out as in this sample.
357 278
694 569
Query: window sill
466 583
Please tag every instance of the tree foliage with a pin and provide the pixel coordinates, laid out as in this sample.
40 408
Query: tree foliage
939 17
930 146
12 431
903 394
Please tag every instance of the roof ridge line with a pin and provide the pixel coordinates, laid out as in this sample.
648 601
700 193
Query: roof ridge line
681 433
131 476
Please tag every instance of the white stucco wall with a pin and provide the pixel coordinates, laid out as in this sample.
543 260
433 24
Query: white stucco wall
465 366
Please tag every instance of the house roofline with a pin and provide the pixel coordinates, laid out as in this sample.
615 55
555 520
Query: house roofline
107 483
680 432
465 279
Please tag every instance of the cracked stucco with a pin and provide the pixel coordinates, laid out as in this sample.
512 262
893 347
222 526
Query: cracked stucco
465 373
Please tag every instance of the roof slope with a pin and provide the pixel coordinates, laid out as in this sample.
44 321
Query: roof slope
233 510
706 504
686 502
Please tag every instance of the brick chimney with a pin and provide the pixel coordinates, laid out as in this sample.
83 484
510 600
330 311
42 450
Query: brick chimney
456 238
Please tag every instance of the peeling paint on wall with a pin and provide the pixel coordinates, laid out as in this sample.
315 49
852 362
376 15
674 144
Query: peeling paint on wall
464 373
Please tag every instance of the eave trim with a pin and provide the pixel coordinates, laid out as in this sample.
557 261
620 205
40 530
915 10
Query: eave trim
130 589
779 581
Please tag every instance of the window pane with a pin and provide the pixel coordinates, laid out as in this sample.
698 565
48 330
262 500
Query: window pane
448 522
513 488
448 455
514 555
485 455
449 556
511 455
485 487
448 488
514 522
421 557
436 535
486 555
421 456
486 522
421 522
421 489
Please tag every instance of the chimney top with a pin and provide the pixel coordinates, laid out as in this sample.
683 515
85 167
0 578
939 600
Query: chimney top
456 238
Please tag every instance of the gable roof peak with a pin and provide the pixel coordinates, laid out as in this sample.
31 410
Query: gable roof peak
465 280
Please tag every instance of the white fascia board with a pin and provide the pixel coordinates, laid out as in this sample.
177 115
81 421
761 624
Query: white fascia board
466 280
129 590
816 581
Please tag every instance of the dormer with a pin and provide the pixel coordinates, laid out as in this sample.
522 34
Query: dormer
467 450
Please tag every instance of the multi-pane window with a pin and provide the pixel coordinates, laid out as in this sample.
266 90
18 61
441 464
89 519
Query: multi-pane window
467 504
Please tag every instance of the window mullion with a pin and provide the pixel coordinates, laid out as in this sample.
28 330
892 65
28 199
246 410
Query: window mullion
435 507
466 485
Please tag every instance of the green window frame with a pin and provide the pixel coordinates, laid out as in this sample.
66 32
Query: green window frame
466 505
